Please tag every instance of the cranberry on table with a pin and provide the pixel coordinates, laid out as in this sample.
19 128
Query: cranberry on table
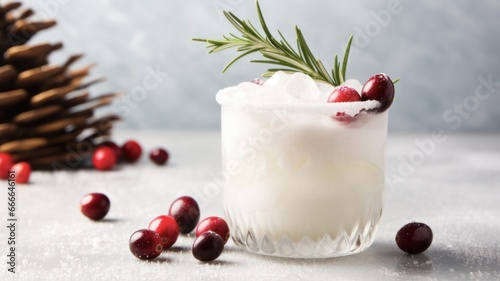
6 163
113 146
186 212
22 171
344 94
95 206
167 228
414 238
104 158
380 88
145 244
208 246
215 224
159 156
131 151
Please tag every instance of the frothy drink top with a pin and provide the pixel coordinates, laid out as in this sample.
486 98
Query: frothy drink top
291 92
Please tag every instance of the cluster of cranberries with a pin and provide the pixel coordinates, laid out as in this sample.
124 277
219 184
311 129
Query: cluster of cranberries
22 170
183 216
108 154
379 87
162 232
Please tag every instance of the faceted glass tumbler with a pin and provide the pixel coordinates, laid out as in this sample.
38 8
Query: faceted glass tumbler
301 183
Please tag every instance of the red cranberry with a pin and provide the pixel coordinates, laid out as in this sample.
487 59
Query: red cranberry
167 228
104 158
114 146
414 238
95 206
208 246
344 94
159 156
6 163
215 224
22 171
186 212
145 244
380 88
131 151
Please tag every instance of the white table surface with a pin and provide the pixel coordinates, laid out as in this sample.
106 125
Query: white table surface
456 191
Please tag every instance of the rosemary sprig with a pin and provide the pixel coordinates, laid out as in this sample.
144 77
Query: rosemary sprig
277 51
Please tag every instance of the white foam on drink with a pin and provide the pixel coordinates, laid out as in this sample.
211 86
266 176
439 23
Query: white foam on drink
295 92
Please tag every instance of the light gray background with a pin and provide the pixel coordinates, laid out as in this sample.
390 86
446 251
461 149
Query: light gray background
437 48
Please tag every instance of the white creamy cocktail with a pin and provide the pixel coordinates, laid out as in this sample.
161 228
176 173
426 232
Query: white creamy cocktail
306 177
303 152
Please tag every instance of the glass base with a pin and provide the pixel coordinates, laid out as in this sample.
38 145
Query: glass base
342 244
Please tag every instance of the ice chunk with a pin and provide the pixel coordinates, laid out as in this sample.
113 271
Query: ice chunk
278 79
303 87
248 91
250 88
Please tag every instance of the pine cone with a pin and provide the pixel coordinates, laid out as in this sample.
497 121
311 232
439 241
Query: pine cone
46 114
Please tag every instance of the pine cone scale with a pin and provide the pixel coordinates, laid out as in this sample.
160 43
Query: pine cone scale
7 129
26 52
36 114
52 95
12 97
7 74
23 145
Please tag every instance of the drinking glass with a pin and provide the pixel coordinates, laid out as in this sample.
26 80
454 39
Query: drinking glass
303 180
